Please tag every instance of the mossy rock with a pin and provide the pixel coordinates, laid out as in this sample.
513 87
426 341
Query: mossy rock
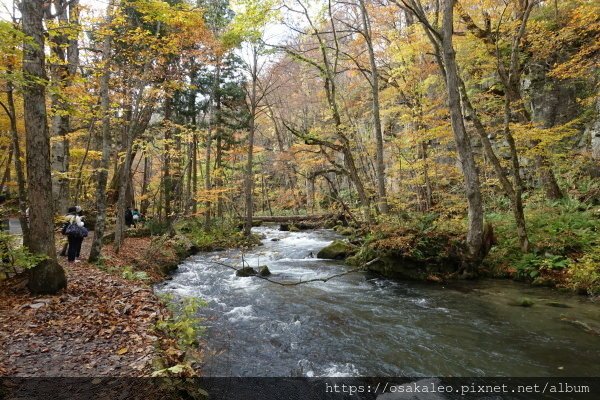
294 228
245 272
330 224
524 302
346 231
338 250
264 271
306 225
402 268
168 267
183 245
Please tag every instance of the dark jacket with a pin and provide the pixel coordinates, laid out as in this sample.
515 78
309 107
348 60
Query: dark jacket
128 217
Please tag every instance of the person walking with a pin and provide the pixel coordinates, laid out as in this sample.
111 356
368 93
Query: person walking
128 217
75 231
71 212
136 217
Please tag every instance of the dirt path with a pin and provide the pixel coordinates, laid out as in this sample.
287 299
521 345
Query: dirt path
102 325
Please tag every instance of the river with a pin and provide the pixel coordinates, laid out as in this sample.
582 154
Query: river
364 325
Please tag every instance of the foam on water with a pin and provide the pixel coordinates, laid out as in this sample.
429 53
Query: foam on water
242 313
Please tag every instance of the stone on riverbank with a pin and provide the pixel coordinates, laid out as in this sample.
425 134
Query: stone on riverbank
264 271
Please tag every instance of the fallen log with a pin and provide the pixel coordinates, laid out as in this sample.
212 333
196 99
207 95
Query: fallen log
292 218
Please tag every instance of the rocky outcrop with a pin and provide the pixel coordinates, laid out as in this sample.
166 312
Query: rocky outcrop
593 132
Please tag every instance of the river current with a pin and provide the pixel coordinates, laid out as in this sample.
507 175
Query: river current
365 325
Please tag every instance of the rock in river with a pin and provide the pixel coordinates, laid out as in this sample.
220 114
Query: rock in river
245 272
338 250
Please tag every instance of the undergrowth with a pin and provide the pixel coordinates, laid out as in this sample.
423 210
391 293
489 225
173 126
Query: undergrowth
218 236
564 236
182 328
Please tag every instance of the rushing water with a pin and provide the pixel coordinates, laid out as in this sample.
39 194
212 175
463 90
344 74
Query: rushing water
364 325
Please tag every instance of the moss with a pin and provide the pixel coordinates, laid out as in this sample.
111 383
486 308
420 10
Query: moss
523 302
337 250
294 228
216 237
264 271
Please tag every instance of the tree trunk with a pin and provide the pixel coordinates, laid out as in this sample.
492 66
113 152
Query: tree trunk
207 181
463 144
145 203
167 185
249 175
212 122
6 174
380 165
102 173
22 191
194 174
124 183
48 276
65 49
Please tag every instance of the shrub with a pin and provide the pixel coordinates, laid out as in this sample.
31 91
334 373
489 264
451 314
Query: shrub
13 255
532 265
184 324
584 275
156 227
131 275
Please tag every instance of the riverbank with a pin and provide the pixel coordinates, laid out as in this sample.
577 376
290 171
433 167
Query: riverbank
564 253
101 325
108 322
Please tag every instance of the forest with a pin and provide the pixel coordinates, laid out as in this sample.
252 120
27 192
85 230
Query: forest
439 140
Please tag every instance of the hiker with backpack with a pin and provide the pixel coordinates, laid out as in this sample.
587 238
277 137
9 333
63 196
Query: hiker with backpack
75 231
136 216
128 217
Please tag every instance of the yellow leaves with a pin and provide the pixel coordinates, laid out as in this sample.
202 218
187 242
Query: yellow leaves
212 195
533 140
574 37
122 351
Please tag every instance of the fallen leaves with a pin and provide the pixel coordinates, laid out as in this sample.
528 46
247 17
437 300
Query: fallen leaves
102 325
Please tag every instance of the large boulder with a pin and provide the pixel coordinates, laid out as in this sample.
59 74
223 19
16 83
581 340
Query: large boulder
338 250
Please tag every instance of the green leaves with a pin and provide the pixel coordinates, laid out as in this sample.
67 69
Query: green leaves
184 325
14 255
250 21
